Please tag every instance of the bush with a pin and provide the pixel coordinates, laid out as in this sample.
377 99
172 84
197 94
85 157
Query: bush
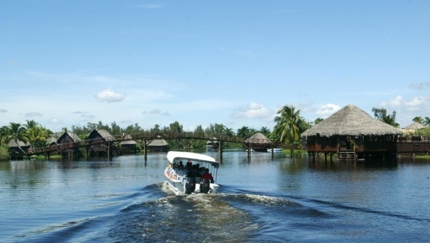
4 152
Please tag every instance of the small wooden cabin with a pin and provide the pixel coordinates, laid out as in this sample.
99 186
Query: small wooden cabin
128 146
258 142
99 143
158 145
68 144
18 150
351 133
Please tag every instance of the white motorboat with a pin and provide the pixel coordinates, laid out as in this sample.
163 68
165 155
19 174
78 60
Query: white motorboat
187 173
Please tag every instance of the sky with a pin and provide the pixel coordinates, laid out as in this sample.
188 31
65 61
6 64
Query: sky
236 63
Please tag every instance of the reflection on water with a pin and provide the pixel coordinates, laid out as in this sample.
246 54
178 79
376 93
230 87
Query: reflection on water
264 199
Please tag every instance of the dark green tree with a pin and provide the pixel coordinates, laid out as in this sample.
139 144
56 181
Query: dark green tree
381 114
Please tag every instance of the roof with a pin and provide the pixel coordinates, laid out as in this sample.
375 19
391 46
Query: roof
105 134
258 138
51 140
353 121
74 137
415 126
172 155
128 142
12 143
158 142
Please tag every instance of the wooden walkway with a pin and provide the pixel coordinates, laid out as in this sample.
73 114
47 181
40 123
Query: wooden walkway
144 138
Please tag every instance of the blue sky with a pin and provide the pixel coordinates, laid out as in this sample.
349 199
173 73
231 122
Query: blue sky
236 63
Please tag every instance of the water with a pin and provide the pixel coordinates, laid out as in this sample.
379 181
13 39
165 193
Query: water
263 200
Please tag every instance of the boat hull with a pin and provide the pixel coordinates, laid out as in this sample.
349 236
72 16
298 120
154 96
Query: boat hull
181 183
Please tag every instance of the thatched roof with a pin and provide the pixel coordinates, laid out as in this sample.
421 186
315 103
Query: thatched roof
414 126
104 134
51 140
12 143
352 121
128 142
74 137
258 138
158 142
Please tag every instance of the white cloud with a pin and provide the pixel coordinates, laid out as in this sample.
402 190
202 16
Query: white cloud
414 103
32 114
407 109
253 110
108 95
327 110
417 101
155 111
54 121
396 102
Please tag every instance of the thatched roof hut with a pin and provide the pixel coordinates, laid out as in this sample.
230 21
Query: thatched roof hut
158 145
258 138
51 141
13 144
351 121
414 126
68 137
352 133
258 142
105 135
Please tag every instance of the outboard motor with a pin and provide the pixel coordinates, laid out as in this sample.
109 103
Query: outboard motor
205 185
190 185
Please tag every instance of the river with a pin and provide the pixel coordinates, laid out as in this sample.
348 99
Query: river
265 199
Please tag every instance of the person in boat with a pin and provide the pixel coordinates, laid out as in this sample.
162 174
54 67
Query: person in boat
207 175
196 171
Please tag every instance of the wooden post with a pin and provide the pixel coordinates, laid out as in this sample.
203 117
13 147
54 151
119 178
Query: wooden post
145 150
220 151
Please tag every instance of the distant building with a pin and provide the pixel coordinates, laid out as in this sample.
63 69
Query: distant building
18 150
258 143
99 143
68 143
411 128
158 145
352 133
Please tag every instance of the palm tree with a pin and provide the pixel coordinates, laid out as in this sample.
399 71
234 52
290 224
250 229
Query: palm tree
381 114
36 136
4 135
318 120
265 131
16 133
289 125
418 119
426 121
30 124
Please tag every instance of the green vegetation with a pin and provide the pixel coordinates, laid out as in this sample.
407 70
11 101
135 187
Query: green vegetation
423 132
289 126
4 152
381 114
286 132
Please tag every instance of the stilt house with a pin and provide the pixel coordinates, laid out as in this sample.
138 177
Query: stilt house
351 133
99 142
69 143
258 142
18 150
158 145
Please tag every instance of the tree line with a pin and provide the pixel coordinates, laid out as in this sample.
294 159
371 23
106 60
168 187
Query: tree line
289 124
